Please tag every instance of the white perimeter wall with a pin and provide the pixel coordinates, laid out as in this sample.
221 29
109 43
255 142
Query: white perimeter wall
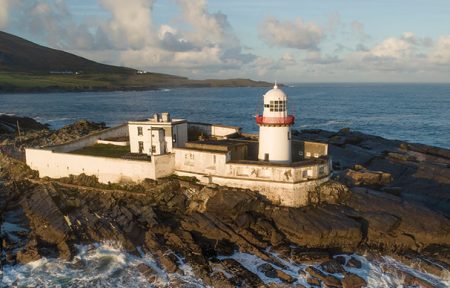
91 139
57 165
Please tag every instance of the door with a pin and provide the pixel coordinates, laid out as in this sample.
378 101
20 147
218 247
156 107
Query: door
141 147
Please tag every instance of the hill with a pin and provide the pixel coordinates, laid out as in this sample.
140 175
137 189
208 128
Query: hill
28 67
20 55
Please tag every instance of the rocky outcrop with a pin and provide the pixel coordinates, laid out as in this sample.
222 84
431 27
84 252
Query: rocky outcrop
178 221
364 177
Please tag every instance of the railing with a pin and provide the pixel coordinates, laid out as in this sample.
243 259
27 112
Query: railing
288 120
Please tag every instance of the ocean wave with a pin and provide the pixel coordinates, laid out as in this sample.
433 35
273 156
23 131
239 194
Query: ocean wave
108 265
98 265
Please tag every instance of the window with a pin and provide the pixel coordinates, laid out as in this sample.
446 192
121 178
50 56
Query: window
214 159
140 133
289 135
308 154
141 147
316 155
305 173
266 105
277 106
321 170
153 149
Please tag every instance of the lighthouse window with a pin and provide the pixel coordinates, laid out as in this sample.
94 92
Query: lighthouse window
139 131
277 106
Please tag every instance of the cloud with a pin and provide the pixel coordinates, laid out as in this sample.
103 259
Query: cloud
315 57
406 53
441 51
131 23
4 9
296 34
358 30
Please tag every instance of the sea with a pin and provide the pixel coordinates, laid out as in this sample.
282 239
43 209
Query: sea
418 113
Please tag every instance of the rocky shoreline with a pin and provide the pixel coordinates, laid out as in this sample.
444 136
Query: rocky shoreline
387 198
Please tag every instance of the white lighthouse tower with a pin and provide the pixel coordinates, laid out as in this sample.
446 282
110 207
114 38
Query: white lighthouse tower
275 128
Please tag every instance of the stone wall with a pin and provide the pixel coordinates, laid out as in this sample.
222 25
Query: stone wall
286 185
57 165
91 139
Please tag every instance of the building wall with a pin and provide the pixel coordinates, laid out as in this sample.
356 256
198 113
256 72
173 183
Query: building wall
164 165
275 141
163 135
180 131
315 149
91 139
218 131
56 165
284 185
201 162
117 143
284 194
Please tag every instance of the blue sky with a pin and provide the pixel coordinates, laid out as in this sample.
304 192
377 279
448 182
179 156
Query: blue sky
291 41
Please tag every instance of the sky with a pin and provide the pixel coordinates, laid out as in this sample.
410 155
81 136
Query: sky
288 41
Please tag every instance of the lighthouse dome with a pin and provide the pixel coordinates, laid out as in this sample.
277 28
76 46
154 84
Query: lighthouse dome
275 94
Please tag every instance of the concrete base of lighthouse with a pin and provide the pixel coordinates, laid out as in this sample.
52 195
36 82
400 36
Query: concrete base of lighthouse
275 144
278 193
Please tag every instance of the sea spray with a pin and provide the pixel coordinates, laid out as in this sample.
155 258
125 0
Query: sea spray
98 265
108 265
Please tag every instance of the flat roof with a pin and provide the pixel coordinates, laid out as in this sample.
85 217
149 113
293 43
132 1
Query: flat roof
301 163
215 124
215 145
153 122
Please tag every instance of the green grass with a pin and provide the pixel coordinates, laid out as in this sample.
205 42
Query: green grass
103 150
15 81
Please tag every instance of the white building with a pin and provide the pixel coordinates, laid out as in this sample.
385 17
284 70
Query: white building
281 169
275 128
157 135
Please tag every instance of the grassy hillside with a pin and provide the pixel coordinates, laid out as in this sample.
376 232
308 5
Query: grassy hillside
28 67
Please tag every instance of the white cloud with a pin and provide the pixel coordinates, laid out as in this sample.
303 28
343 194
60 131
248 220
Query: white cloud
358 30
441 51
131 23
4 9
296 34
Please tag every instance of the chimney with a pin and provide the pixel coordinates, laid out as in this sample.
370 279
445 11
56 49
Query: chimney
165 117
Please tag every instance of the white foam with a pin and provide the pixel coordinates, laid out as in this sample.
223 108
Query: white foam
107 265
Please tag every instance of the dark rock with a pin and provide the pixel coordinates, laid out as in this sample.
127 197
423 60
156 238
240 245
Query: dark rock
411 280
148 273
353 281
267 270
29 253
354 263
340 259
169 263
367 178
284 276
241 276
326 279
332 266
313 281
310 257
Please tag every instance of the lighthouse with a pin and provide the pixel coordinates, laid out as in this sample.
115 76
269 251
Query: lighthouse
275 128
